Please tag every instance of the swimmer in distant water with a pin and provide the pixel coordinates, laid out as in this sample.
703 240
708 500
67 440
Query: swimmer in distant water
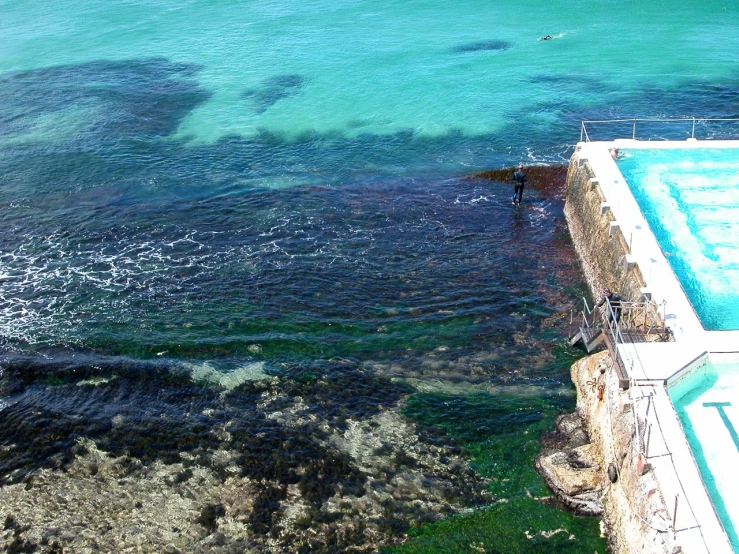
548 37
615 154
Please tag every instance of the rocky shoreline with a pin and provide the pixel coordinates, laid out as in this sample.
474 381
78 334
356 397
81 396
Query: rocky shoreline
591 464
102 503
571 466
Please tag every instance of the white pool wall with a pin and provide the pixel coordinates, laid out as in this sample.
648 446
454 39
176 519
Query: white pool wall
660 281
697 528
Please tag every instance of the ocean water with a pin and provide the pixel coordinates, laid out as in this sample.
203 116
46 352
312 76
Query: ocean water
690 197
242 208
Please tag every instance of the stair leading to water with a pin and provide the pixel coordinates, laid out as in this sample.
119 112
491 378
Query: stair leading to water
589 337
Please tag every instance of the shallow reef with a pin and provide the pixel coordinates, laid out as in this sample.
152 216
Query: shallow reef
111 454
502 436
545 178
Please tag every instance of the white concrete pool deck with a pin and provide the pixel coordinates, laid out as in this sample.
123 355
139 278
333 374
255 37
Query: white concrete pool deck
651 365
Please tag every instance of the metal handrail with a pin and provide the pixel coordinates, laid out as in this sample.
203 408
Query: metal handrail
585 314
634 120
644 315
613 327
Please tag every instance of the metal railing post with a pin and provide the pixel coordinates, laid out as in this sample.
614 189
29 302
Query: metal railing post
674 513
635 120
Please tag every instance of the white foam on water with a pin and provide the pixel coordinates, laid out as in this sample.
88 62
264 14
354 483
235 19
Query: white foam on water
43 287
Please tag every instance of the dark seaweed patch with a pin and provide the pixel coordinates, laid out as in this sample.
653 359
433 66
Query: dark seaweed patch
573 84
326 475
272 90
182 476
486 45
138 412
341 392
18 544
266 509
148 96
272 451
10 523
21 546
152 411
209 516
285 81
548 179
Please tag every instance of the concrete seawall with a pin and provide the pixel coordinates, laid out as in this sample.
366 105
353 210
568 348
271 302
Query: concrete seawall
603 250
635 516
651 488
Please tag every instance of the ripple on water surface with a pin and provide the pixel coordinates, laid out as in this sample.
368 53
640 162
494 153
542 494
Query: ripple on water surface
182 320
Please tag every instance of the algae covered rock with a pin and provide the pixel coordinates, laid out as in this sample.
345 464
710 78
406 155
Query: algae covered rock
571 467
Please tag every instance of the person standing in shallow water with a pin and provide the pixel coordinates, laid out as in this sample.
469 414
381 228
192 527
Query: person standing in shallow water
520 180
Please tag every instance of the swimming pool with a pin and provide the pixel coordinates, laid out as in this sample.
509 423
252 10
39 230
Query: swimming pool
706 399
690 198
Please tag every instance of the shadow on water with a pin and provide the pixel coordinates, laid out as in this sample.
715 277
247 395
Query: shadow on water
273 90
482 46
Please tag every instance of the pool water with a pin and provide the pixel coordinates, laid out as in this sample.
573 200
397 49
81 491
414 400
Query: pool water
706 403
690 198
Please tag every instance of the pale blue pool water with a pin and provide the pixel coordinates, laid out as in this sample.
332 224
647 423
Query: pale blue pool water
690 198
706 403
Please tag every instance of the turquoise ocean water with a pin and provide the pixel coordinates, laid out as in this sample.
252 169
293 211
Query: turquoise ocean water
266 196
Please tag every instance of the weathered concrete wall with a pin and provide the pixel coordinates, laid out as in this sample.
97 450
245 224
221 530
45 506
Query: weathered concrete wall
634 512
603 254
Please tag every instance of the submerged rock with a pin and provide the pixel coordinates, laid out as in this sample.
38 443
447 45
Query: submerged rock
317 459
545 178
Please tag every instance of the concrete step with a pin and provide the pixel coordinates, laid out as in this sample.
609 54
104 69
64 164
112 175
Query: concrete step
589 337
592 338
